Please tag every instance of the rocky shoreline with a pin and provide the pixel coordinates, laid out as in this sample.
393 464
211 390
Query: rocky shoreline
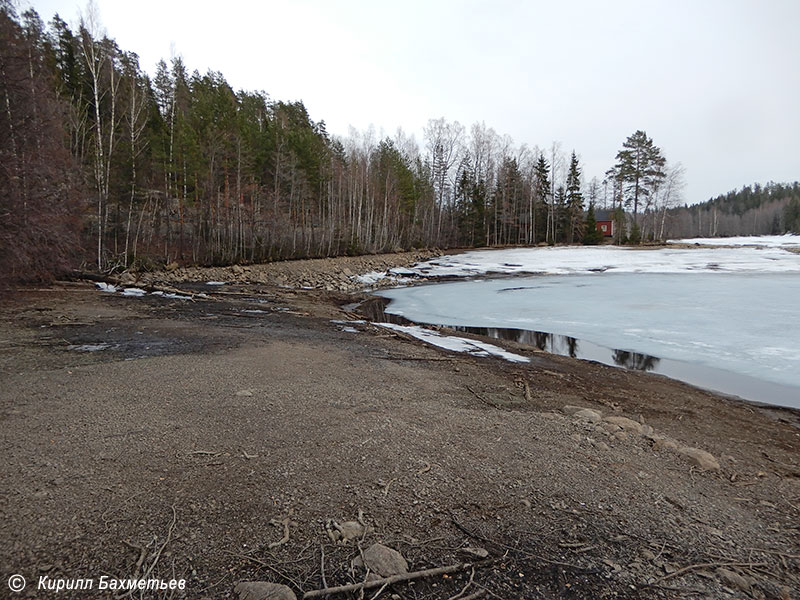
331 274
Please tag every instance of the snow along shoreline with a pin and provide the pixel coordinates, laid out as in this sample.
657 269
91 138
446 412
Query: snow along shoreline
566 260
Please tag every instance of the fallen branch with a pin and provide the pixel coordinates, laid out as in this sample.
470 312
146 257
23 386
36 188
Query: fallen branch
266 565
513 549
285 522
366 585
712 564
482 399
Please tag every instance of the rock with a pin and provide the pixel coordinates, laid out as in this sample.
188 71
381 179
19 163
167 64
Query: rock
263 590
571 410
700 458
244 393
476 552
733 579
607 428
345 532
587 414
171 267
621 436
383 561
626 424
602 446
664 443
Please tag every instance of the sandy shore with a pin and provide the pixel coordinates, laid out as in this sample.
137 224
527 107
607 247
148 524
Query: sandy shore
182 447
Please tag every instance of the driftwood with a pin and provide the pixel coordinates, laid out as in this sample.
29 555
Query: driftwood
366 585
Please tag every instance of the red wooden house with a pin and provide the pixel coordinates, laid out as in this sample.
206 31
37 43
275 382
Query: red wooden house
605 222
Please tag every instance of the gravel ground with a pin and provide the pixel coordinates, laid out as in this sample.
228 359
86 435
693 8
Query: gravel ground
179 448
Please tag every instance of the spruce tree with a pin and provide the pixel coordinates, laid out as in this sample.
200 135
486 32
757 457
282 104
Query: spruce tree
574 201
591 236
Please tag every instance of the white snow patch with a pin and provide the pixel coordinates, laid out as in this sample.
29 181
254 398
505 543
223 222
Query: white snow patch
565 260
133 292
106 287
454 343
349 329
769 241
175 296
89 347
254 311
356 322
215 283
371 278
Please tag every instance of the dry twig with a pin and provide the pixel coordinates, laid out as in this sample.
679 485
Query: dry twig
366 585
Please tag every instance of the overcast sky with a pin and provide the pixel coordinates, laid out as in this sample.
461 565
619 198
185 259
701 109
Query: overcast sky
715 83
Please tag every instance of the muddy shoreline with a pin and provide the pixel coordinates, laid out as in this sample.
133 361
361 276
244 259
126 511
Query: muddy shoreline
202 422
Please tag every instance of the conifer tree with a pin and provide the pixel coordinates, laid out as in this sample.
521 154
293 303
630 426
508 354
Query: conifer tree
574 202
640 168
591 236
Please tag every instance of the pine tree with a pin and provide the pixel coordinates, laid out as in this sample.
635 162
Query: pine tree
640 168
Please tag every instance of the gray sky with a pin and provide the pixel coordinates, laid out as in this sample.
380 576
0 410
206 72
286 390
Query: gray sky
715 83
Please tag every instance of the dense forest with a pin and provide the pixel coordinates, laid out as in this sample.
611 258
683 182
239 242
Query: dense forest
754 210
104 167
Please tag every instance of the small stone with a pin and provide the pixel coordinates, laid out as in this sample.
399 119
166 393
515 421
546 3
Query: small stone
263 590
587 414
700 458
383 561
664 444
244 393
625 423
621 436
477 552
733 579
609 428
568 409
602 446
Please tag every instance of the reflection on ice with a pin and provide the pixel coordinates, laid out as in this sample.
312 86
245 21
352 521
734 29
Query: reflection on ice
742 327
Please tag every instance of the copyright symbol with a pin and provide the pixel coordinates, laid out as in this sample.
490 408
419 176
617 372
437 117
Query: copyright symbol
16 583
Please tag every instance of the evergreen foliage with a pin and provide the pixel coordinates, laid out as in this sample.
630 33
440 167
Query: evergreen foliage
182 167
755 209
591 236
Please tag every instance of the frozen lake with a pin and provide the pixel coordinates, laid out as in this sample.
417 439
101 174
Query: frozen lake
734 332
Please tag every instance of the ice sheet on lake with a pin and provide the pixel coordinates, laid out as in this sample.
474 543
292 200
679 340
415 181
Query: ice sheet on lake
454 343
772 241
747 323
563 260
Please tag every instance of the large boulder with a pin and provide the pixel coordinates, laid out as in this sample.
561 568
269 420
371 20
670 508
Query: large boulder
383 561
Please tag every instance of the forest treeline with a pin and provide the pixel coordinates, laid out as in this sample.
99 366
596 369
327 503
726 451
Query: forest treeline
770 209
105 167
